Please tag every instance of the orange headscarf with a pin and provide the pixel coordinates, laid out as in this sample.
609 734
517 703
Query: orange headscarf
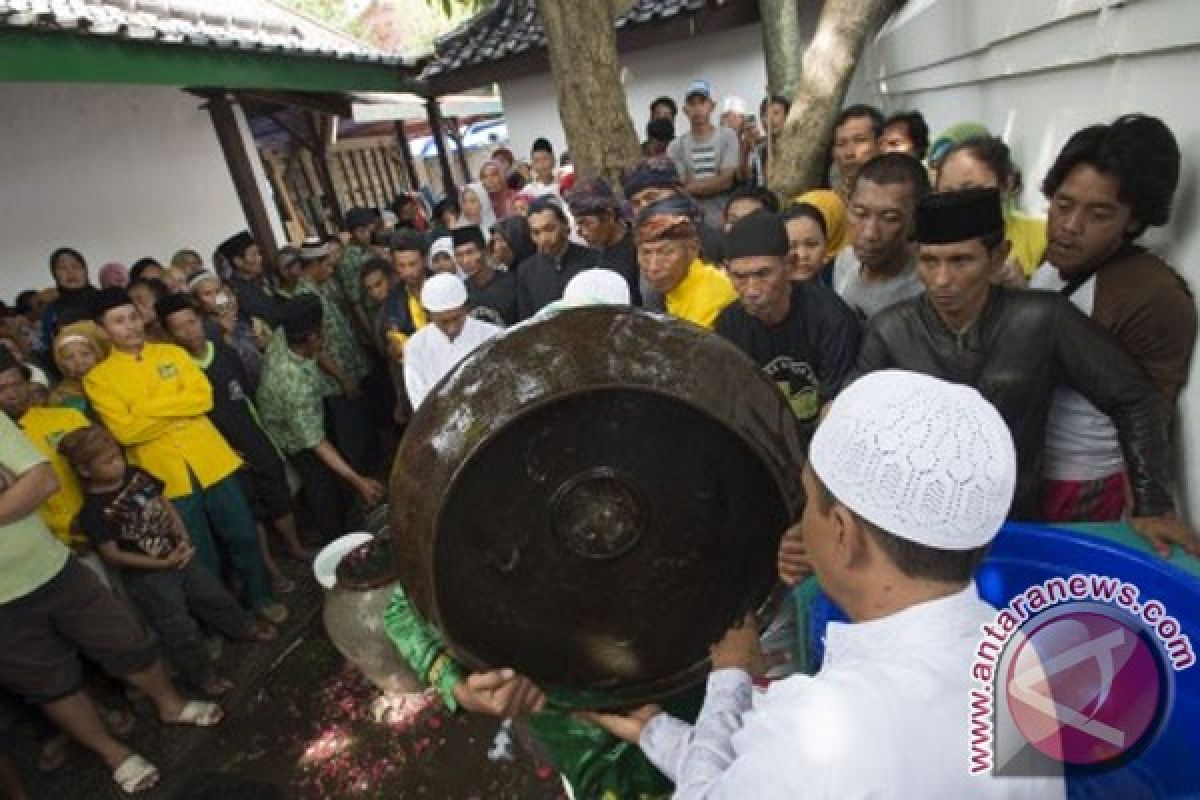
830 204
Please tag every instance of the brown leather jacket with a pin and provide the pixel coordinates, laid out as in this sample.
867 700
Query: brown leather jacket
1023 345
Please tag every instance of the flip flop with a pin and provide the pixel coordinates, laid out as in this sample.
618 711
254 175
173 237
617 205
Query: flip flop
198 714
135 774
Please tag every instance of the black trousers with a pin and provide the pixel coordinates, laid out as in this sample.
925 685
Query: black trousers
326 494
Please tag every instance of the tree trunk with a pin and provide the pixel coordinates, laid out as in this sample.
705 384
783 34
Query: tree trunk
843 30
781 44
582 43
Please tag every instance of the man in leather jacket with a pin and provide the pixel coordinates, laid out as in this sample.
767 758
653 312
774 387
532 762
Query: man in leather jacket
1015 347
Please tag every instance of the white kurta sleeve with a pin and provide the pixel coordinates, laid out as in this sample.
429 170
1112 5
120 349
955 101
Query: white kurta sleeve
414 381
696 756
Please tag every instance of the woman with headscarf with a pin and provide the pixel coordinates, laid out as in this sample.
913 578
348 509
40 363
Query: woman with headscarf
75 293
77 348
476 209
511 242
494 178
833 210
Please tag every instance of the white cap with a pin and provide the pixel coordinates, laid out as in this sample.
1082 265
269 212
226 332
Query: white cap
733 103
443 292
597 287
442 245
926 460
200 277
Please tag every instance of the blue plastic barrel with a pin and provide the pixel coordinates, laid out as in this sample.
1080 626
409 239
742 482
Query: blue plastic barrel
1024 555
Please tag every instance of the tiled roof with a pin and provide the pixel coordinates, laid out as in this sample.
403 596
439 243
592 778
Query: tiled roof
254 25
513 27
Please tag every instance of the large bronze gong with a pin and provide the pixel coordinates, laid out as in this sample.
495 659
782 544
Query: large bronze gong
594 499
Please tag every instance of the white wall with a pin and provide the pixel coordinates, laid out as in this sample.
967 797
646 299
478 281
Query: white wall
1034 72
116 172
731 61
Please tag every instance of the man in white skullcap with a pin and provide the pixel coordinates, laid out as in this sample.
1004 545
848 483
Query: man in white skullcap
435 349
909 479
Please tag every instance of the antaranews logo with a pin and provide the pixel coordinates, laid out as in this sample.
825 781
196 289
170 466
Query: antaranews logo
1081 669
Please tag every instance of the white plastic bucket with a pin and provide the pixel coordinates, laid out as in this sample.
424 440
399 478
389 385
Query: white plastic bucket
326 563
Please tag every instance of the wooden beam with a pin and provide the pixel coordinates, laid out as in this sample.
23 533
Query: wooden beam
410 167
242 172
321 164
460 150
437 128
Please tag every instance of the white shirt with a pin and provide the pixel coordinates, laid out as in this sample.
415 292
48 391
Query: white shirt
887 716
429 355
1081 440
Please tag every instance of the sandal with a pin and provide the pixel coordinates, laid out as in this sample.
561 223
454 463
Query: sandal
135 774
198 714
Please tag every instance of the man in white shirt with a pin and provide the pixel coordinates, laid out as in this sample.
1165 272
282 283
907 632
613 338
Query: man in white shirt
909 480
452 335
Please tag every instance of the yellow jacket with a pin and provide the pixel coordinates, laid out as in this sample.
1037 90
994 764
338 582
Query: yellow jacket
45 426
701 295
1028 238
155 404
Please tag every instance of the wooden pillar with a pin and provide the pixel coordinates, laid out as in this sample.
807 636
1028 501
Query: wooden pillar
241 170
410 168
436 127
462 151
321 164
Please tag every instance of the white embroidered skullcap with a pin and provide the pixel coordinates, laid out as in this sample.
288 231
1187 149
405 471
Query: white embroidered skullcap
443 292
203 276
926 460
597 287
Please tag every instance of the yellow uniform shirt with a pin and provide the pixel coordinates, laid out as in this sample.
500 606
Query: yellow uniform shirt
1028 238
46 426
701 295
155 404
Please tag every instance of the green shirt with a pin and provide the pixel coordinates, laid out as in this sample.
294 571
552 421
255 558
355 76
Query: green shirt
349 275
290 403
29 554
340 342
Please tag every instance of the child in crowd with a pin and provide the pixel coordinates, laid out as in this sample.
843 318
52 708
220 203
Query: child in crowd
135 529
77 348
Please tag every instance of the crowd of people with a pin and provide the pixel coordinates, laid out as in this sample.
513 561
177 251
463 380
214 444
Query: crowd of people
158 422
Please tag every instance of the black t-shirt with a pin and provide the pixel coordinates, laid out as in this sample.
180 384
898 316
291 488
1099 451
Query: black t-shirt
497 302
808 354
231 412
136 516
622 259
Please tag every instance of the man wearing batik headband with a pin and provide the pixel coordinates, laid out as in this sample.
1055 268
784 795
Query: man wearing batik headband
669 254
599 221
1017 347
